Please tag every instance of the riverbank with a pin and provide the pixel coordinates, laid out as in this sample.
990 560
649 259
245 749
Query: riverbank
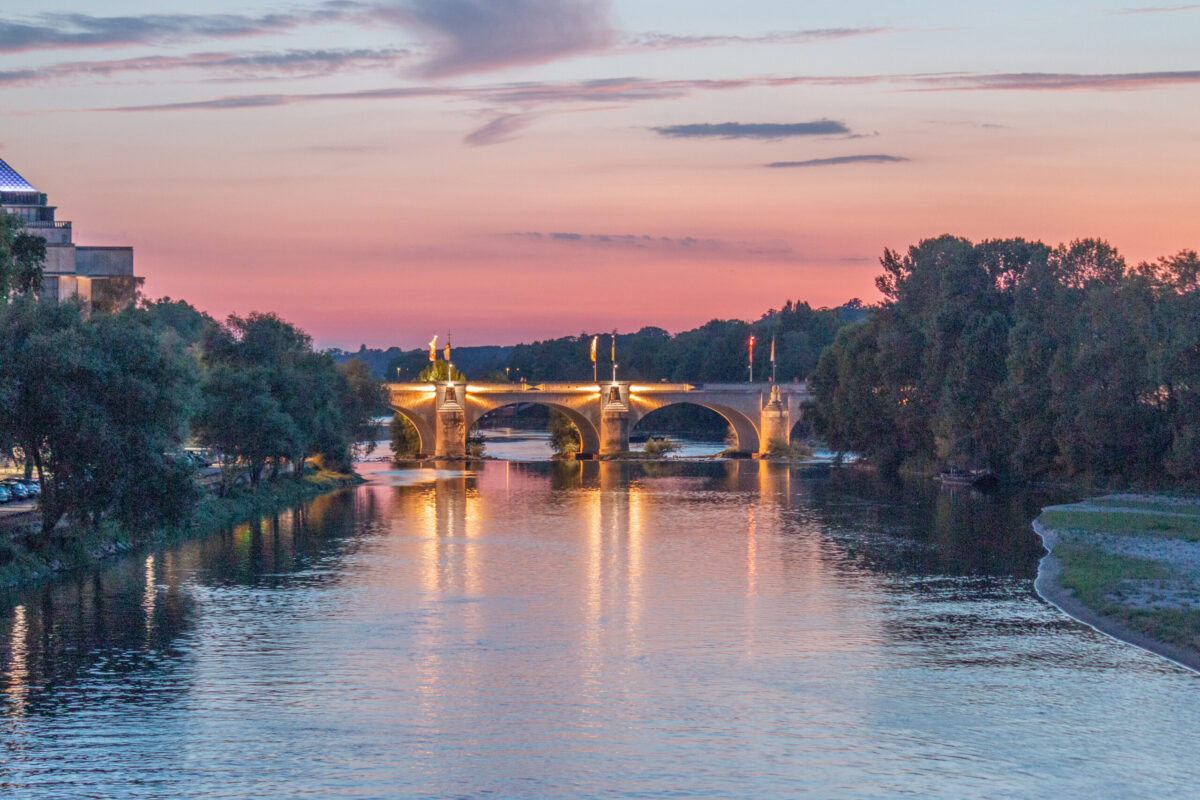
1129 566
21 565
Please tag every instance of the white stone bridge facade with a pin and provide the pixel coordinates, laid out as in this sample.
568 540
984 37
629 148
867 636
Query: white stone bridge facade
444 412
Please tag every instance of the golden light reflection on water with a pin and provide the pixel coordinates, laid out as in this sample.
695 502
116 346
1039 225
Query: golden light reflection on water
751 578
149 594
593 588
17 689
639 501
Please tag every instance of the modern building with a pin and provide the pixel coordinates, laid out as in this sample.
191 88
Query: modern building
101 277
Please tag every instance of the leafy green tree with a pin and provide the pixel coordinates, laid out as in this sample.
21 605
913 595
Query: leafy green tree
852 409
1177 358
22 257
564 436
365 400
269 399
240 418
441 371
182 318
406 441
97 406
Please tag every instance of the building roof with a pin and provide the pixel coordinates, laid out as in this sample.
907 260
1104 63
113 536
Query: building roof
11 181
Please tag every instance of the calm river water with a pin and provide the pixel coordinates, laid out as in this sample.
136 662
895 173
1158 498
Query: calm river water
590 630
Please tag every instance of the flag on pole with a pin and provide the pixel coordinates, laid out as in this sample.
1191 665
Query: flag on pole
433 348
751 349
595 339
614 346
447 352
772 349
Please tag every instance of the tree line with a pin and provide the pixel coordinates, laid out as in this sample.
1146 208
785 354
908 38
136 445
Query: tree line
714 352
99 405
1024 359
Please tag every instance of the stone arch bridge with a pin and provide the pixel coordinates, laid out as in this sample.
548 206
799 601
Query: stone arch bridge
444 412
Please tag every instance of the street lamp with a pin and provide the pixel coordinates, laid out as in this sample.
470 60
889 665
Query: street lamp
752 359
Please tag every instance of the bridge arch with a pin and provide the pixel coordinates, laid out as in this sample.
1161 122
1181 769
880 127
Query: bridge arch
425 430
589 435
744 428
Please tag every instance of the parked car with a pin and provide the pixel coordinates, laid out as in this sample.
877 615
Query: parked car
35 488
5 495
16 488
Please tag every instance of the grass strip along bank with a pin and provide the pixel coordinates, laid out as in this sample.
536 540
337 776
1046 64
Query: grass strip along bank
23 565
1130 566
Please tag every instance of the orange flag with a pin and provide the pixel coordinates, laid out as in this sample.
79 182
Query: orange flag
433 348
594 340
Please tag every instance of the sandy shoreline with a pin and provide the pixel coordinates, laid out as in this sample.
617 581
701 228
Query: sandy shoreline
1046 586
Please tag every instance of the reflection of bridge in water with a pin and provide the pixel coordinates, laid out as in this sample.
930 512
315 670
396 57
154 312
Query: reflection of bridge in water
444 412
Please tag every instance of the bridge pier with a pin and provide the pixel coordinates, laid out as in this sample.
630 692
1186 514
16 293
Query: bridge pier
451 428
614 418
775 423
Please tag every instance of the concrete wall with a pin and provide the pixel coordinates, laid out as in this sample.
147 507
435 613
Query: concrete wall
53 234
60 259
104 261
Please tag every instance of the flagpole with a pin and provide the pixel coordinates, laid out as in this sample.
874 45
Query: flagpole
752 359
773 360
614 355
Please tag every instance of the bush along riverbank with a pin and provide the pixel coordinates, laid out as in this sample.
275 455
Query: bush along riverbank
1129 566
22 564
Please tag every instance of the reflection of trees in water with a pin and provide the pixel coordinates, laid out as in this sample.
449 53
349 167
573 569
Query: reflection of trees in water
915 528
110 629
118 628
282 550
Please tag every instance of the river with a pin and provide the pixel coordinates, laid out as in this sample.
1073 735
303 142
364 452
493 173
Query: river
703 629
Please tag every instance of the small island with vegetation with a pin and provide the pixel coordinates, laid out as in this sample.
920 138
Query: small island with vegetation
1129 565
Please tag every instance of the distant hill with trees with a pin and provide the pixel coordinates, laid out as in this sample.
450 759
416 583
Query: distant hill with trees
713 352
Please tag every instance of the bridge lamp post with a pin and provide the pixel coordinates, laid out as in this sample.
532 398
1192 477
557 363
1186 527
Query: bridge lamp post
752 359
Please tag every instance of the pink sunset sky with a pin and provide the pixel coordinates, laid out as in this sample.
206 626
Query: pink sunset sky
520 169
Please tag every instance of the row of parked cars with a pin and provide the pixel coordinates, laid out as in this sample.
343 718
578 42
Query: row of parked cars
13 489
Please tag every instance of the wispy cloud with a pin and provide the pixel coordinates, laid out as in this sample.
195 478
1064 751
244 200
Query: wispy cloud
59 31
526 95
239 66
1057 81
1156 9
220 103
501 129
470 36
690 246
668 41
838 160
754 130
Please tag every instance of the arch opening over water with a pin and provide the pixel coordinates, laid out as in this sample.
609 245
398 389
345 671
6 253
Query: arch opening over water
685 420
588 435
744 429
